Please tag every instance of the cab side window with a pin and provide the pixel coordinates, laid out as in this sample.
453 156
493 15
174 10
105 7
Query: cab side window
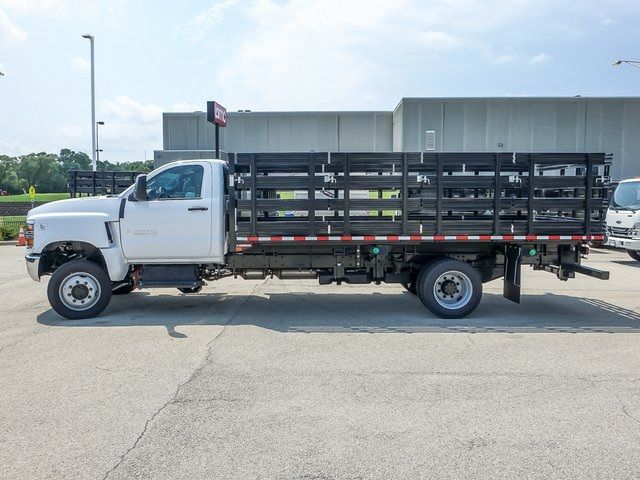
181 182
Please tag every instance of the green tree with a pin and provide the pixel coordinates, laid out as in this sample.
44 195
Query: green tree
71 160
8 173
38 169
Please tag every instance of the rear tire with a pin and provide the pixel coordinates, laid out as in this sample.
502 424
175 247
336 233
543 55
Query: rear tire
635 254
79 289
449 288
411 285
190 290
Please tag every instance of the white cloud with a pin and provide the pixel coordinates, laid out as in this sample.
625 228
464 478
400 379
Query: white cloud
436 41
187 107
62 9
10 34
80 64
540 58
503 58
608 22
335 54
202 23
131 128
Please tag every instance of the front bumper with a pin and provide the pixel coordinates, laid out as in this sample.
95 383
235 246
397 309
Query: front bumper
621 242
33 265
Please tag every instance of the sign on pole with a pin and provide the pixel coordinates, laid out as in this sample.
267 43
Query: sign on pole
32 194
217 115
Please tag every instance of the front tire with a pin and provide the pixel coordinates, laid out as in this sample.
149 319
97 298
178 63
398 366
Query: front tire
449 288
79 289
635 254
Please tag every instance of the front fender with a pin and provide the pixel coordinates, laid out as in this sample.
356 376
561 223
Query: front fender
89 227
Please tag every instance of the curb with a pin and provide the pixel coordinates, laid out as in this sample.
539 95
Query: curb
8 242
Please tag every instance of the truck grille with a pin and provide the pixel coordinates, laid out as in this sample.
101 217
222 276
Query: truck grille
619 232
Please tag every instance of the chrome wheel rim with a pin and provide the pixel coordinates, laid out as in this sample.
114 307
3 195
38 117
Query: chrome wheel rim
453 290
79 291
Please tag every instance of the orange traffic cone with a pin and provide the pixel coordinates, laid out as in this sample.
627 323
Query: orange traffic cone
22 241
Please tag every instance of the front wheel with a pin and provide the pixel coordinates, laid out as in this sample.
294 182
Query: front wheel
79 289
449 288
635 254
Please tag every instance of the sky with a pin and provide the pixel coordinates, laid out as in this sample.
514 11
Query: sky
273 55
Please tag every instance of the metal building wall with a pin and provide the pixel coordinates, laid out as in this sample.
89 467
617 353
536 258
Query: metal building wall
187 135
609 125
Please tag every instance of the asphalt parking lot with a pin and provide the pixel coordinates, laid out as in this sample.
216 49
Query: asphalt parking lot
290 380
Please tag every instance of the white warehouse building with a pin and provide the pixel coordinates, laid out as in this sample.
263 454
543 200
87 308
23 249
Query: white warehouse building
520 124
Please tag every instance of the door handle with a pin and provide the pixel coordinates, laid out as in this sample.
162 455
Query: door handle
197 209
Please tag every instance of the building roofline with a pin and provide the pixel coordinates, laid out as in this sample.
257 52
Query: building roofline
297 112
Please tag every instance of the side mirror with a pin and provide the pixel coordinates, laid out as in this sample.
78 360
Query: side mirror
140 190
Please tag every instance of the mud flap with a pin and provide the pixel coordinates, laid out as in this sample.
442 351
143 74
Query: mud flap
512 265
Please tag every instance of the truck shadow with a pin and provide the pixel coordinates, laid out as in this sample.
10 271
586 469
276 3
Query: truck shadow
374 312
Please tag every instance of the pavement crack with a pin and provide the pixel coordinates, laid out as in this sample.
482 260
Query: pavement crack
195 372
626 412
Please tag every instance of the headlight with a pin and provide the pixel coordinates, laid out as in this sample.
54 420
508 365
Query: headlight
28 235
635 231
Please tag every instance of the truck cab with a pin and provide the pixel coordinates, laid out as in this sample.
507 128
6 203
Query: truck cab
175 216
623 218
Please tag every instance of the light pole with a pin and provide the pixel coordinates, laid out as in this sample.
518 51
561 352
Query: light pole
633 63
93 102
98 124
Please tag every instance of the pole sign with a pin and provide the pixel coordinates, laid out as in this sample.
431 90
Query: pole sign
216 114
32 193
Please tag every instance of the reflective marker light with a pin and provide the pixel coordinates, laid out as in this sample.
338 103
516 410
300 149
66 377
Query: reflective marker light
533 252
375 250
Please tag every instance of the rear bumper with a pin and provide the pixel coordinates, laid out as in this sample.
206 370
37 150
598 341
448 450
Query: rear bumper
620 242
33 265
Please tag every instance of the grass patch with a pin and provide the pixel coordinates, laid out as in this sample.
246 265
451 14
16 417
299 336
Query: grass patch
15 218
10 227
40 197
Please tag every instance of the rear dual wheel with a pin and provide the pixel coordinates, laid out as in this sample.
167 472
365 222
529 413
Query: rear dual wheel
449 288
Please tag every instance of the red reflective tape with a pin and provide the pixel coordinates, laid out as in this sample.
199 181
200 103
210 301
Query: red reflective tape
597 237
346 237
485 237
578 237
392 237
322 238
507 237
276 239
252 239
438 238
531 237
554 237
299 239
462 237
415 237
369 237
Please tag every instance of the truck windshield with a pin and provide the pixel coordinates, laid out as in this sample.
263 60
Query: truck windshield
627 196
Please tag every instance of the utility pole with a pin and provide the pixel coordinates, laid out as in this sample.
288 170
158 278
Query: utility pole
98 150
93 102
633 63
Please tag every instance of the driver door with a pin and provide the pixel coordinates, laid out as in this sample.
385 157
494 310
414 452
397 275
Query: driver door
174 223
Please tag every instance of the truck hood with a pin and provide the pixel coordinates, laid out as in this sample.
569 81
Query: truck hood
110 206
622 218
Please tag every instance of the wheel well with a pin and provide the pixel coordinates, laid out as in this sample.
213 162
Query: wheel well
57 254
